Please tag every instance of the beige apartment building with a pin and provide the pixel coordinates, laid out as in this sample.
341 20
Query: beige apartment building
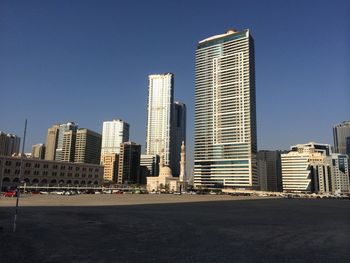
51 142
110 164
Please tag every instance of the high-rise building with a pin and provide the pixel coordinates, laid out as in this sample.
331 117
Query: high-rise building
178 129
38 151
306 168
225 112
114 133
70 126
340 173
110 163
68 146
262 174
129 164
341 136
151 161
87 146
160 108
272 180
51 142
9 144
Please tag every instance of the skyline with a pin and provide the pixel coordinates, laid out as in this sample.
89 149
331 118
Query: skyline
61 56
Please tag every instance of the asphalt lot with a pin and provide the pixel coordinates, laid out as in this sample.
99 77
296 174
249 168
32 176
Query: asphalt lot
191 229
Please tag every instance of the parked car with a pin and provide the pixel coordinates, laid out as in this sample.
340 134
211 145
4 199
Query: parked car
10 194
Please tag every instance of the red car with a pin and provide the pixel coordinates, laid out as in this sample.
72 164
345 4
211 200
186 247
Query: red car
10 194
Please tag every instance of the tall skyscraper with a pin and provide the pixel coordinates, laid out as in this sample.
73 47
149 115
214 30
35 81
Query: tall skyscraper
225 112
129 164
87 146
178 129
160 109
70 126
9 144
114 133
51 142
341 136
38 151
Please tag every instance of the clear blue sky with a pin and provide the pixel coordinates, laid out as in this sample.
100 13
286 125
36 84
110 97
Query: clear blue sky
88 61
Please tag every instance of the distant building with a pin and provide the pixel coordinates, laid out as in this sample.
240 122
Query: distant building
129 164
262 173
52 173
159 119
87 146
114 133
70 126
38 151
306 169
67 152
225 112
110 163
9 144
151 161
270 170
51 142
178 129
341 136
340 174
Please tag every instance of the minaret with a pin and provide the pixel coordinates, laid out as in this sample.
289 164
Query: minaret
161 159
182 177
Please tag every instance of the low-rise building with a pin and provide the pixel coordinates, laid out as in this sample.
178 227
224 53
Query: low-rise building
51 173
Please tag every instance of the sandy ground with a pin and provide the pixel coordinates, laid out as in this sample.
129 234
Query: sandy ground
114 199
169 228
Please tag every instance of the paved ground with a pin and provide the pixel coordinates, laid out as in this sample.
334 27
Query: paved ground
263 230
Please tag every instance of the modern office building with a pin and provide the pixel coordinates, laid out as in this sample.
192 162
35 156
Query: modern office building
306 169
178 129
270 171
110 163
70 126
114 133
9 144
87 146
341 136
225 112
51 142
38 151
129 164
340 173
160 110
151 161
49 173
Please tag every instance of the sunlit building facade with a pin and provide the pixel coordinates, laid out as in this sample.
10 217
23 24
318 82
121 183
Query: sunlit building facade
225 112
114 133
160 109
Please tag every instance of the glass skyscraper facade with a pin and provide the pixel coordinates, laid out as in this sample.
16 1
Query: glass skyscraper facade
225 112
